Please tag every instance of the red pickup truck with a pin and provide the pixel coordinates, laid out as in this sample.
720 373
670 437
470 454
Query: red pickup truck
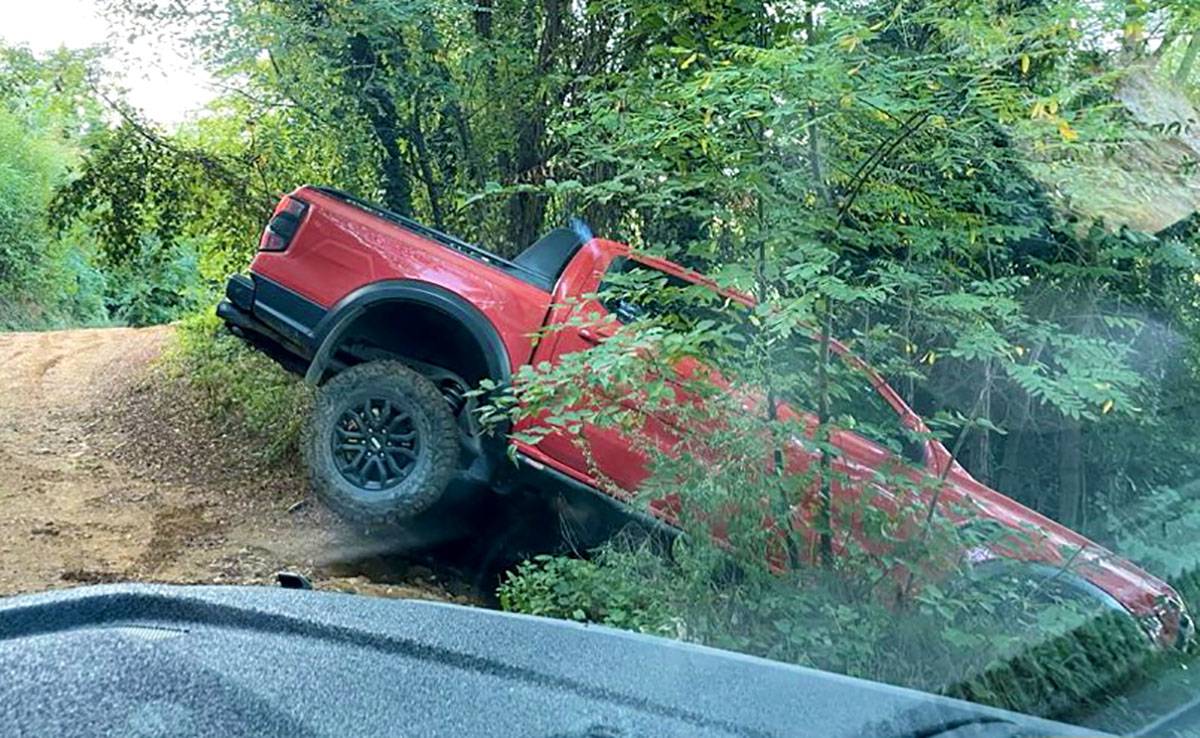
396 322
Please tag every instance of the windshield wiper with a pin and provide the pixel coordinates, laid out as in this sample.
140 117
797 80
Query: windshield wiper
954 727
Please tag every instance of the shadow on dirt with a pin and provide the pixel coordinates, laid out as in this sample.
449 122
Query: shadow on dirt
466 547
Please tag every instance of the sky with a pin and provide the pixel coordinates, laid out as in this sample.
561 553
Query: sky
162 83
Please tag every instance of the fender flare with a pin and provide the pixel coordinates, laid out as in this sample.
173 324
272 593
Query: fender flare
330 330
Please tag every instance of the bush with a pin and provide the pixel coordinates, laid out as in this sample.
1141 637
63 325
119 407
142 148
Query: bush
584 591
45 282
1065 676
65 290
942 642
157 283
30 166
233 380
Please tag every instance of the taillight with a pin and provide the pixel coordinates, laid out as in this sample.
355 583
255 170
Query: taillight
283 226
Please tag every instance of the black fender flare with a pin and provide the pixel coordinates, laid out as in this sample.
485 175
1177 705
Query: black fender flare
330 330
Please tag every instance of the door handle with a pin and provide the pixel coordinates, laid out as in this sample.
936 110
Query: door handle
590 336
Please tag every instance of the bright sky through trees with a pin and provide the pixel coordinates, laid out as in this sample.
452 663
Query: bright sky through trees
162 82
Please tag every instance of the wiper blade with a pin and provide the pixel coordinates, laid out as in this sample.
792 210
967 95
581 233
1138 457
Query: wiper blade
954 729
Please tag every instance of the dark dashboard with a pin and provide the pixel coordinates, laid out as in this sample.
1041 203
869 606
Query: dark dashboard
141 660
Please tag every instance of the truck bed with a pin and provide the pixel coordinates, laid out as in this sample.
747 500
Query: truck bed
472 250
346 246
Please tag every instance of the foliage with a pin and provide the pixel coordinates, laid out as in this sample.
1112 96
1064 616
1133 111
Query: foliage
576 589
31 169
48 107
445 110
44 281
156 284
52 92
1065 676
231 380
875 177
943 642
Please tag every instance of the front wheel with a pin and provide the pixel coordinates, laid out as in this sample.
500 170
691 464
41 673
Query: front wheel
1030 601
381 445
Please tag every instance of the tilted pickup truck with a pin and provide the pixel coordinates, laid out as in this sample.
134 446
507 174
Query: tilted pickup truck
396 322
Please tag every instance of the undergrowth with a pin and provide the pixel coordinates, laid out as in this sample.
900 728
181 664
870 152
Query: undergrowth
231 380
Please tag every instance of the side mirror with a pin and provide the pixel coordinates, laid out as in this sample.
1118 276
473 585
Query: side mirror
627 312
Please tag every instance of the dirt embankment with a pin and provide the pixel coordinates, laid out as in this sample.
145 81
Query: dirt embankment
108 473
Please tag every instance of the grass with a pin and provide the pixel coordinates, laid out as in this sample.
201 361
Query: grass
233 380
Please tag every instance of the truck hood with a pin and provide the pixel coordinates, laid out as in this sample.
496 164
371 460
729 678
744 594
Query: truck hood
1138 591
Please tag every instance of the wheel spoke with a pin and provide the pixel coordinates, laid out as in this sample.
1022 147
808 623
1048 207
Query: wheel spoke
383 473
392 465
355 465
404 451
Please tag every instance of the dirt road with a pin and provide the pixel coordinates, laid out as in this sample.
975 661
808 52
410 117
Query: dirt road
108 474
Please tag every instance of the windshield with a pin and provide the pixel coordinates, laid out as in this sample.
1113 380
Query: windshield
857 336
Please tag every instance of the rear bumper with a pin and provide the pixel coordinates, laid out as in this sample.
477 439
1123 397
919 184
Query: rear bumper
243 323
275 319
237 310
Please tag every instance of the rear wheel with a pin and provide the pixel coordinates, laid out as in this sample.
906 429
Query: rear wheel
382 444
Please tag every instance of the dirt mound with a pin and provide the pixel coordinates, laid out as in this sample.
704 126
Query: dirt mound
109 473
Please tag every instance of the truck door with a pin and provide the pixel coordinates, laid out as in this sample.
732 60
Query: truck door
604 457
608 458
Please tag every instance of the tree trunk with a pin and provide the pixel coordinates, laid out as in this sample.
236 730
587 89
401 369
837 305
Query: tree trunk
527 210
483 18
983 437
825 512
1070 473
1189 60
379 107
424 163
1009 474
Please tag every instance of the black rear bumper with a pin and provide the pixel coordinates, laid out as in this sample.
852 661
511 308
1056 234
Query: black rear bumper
243 323
273 318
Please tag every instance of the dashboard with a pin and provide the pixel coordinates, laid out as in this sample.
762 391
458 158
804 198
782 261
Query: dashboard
148 660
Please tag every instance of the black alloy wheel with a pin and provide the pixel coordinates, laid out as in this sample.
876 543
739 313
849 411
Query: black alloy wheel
381 445
375 444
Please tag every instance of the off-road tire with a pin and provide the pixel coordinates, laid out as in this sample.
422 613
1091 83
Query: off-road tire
437 454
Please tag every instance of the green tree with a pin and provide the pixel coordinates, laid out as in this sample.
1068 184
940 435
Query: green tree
878 175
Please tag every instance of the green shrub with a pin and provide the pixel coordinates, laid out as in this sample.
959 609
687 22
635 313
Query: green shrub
944 643
30 166
65 290
1064 676
233 380
157 283
575 589
1068 675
